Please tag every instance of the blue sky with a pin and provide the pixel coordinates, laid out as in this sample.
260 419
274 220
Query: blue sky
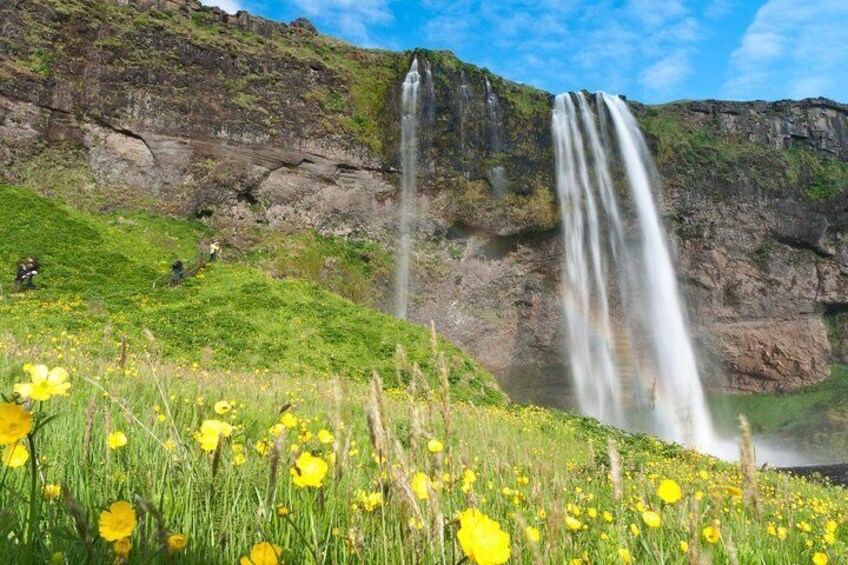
650 50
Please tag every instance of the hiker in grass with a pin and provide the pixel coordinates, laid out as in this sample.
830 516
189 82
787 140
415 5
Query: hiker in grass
213 251
33 267
177 272
20 275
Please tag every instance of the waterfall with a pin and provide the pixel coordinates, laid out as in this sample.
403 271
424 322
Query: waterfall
494 134
409 170
630 356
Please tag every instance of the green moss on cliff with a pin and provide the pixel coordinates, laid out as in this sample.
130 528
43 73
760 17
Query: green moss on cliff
686 147
822 178
474 205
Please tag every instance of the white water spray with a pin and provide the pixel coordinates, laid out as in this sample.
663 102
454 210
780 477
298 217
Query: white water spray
409 168
639 362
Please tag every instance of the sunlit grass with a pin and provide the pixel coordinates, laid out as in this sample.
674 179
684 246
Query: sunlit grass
522 467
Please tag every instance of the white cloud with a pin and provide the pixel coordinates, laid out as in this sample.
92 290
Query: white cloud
653 14
667 73
351 18
599 44
229 6
795 48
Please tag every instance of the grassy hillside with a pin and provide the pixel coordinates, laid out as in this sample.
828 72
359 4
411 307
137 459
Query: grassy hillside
226 429
103 278
393 477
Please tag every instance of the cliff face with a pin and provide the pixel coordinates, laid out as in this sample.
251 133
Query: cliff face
254 123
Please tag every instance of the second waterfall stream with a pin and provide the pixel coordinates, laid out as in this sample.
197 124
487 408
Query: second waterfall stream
628 346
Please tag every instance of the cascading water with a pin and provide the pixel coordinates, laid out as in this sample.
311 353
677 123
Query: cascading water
639 361
409 172
494 133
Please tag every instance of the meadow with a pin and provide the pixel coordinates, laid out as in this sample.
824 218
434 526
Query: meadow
317 431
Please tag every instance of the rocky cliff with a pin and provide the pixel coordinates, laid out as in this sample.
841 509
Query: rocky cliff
256 124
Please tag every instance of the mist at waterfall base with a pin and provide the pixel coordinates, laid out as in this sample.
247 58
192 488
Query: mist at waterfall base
629 352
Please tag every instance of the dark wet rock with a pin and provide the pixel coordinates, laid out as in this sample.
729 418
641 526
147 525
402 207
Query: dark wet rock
832 474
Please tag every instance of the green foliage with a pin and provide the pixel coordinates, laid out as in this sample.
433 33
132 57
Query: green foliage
762 255
353 269
40 62
822 178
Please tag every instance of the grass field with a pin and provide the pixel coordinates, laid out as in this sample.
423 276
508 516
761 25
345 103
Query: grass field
241 425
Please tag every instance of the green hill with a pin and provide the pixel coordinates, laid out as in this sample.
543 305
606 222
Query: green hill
103 275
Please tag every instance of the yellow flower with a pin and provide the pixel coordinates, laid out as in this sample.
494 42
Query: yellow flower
263 554
468 479
624 555
482 539
435 446
177 542
735 492
222 407
122 546
15 456
573 523
44 383
711 534
634 529
52 492
532 534
421 485
116 440
684 547
325 437
118 522
309 471
15 423
282 511
369 501
289 420
651 519
820 558
669 491
210 433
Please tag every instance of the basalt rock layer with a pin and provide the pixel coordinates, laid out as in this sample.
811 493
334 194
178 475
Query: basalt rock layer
253 123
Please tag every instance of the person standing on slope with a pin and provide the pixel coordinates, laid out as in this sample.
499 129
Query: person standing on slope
33 268
177 272
20 275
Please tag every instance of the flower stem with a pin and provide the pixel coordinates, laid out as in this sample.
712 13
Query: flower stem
302 536
33 498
